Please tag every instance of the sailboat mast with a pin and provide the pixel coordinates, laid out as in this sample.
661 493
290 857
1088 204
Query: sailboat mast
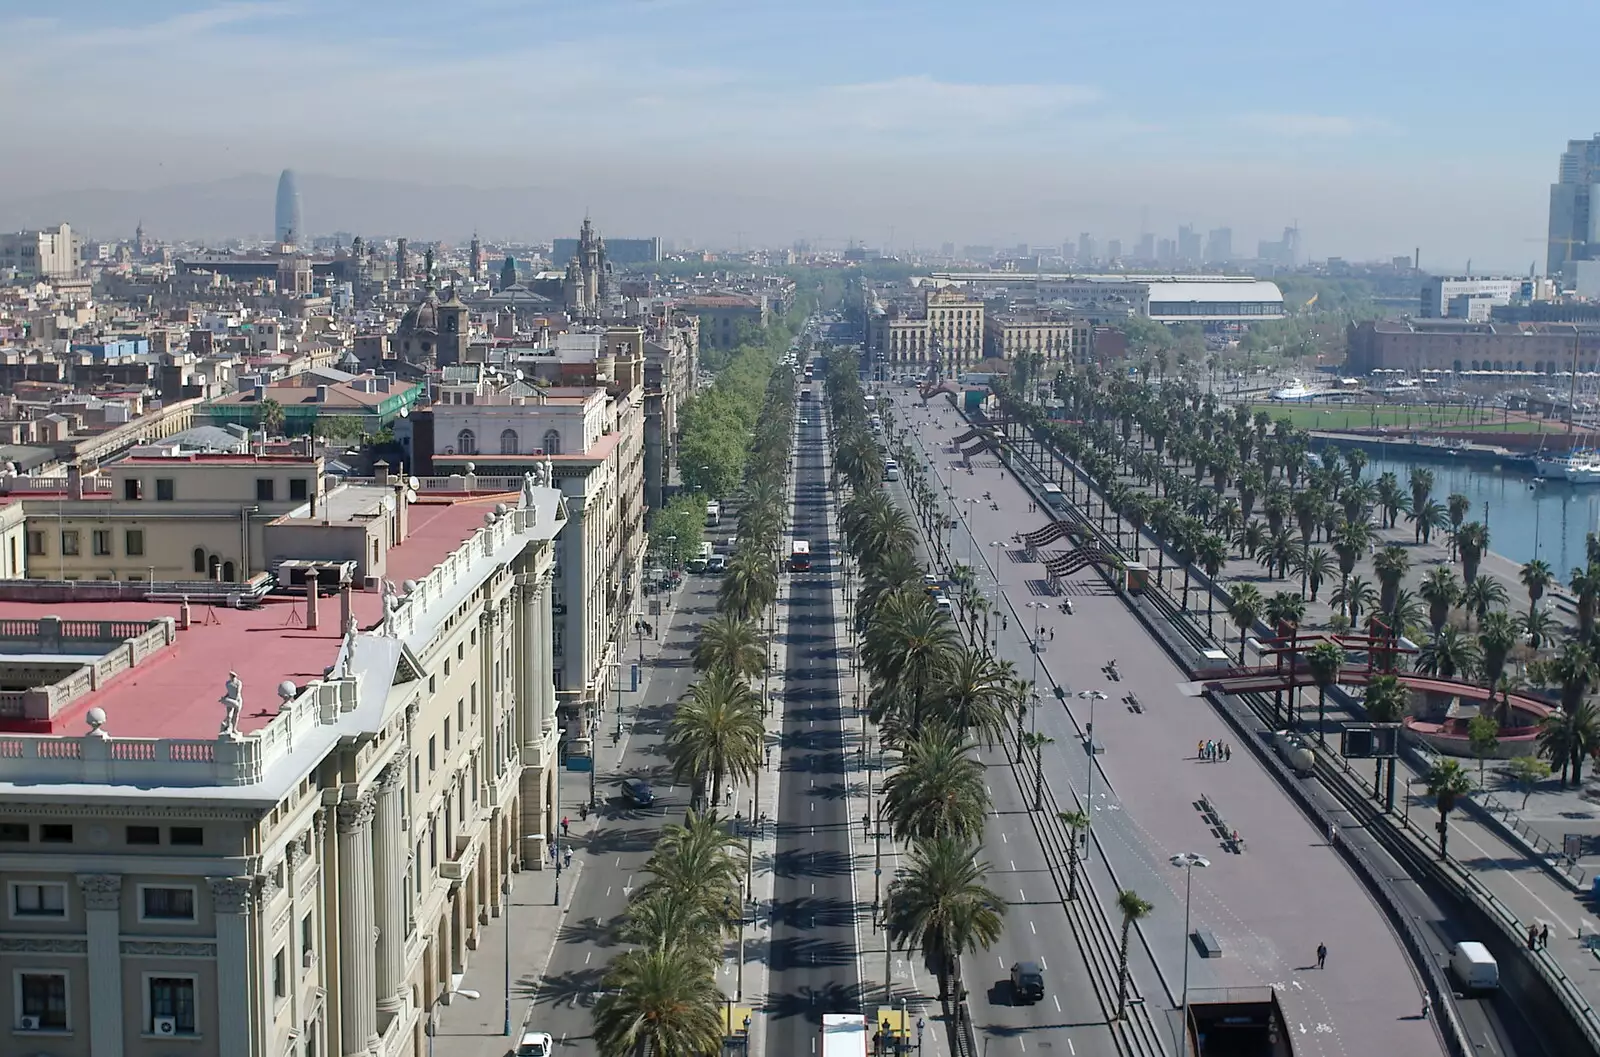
1572 389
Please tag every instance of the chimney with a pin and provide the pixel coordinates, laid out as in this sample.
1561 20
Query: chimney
184 616
380 473
74 481
311 599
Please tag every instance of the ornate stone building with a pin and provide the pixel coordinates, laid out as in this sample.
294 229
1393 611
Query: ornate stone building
306 880
587 286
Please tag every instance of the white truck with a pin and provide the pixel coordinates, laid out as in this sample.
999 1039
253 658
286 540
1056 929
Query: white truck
1474 967
844 1035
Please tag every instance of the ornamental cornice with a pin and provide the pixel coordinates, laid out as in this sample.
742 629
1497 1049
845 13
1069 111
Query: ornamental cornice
392 775
167 949
232 895
101 891
42 945
357 814
198 813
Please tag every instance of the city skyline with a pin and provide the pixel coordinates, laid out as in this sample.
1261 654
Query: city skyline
839 139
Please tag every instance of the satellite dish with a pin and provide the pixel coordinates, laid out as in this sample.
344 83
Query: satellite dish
389 503
413 484
411 495
405 412
519 374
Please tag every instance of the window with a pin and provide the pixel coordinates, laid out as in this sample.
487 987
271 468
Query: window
55 833
307 938
132 488
264 489
447 734
433 754
552 442
43 995
166 904
69 542
14 832
144 835
187 836
35 544
133 542
299 488
280 980
30 899
466 443
171 998
100 541
164 490
200 560
461 709
508 442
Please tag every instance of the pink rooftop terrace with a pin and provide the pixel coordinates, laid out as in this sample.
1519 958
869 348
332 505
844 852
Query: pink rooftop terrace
175 693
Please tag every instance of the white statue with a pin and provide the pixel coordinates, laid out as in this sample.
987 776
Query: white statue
528 484
232 701
549 473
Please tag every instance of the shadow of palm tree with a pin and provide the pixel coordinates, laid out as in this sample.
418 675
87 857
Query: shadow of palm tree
808 913
810 1003
799 952
803 863
574 988
600 932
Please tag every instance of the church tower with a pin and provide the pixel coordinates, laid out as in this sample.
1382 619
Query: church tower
475 261
572 288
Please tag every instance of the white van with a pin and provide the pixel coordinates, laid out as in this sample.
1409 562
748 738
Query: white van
891 470
1474 967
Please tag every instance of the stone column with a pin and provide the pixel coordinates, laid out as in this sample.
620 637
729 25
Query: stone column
544 667
357 929
530 716
389 859
233 898
102 902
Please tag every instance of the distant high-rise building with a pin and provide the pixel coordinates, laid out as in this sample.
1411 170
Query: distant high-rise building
1085 248
1166 251
287 220
1188 245
1573 220
475 261
1147 247
1114 250
1285 252
1219 245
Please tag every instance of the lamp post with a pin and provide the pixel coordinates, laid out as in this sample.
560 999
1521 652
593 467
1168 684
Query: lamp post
1038 641
505 898
433 1011
1187 860
999 548
1090 696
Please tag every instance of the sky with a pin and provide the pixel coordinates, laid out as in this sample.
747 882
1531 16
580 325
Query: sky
1378 127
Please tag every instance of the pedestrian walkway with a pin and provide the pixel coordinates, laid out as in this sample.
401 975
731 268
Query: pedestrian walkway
536 923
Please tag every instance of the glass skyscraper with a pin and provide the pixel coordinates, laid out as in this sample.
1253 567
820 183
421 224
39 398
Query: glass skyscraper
286 219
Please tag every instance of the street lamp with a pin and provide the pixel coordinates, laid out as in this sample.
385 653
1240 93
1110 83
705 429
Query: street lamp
1187 861
995 570
1038 639
505 898
1090 696
433 1011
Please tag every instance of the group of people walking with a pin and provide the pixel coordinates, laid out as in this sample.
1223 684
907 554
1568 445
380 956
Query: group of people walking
1213 750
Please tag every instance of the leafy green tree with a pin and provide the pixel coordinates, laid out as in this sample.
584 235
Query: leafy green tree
662 1001
1440 590
1326 660
1449 655
1245 605
1537 577
337 427
677 531
1483 732
938 791
1528 772
270 416
731 643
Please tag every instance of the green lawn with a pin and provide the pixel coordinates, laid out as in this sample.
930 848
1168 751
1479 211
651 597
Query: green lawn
1371 416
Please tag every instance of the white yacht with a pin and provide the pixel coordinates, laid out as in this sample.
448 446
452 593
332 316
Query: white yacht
1295 390
1576 467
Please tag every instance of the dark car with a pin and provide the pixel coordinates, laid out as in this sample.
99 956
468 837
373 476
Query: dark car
638 790
1027 982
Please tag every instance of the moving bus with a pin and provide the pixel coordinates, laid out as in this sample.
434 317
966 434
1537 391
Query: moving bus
800 557
843 1035
808 374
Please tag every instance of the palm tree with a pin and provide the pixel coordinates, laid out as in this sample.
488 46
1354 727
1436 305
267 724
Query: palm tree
1497 637
1211 553
1354 595
1585 584
1472 540
1569 737
1449 655
1385 702
1539 626
1077 823
1457 507
1280 552
1447 783
660 1001
1350 541
1440 590
1037 742
727 642
1326 660
1390 565
1133 909
1483 594
749 585
939 789
1244 609
942 906
1536 577
270 417
1251 539
909 645
1284 608
974 695
1427 519
717 732
1421 483
1391 498
1314 564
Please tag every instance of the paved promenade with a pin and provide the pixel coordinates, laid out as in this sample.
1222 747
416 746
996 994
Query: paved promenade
1271 900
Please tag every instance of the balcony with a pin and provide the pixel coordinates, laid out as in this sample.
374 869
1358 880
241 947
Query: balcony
459 866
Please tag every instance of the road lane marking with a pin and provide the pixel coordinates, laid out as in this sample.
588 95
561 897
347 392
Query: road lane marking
1005 839
1021 896
1013 863
1043 964
1034 927
1022 1042
608 891
1057 1000
586 957
1070 1046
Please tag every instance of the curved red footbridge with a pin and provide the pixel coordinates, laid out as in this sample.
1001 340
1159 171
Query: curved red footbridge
1289 670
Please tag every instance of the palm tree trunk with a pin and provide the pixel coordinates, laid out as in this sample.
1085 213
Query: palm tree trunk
1072 865
1122 970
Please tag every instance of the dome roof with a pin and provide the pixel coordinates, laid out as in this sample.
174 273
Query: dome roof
425 316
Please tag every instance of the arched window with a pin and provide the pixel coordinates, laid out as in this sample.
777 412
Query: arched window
227 571
466 443
200 560
508 442
552 442
214 567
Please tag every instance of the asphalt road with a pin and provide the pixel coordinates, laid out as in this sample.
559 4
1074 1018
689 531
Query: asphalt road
611 847
813 953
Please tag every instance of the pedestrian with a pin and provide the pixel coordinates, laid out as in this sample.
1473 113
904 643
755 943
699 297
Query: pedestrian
1544 936
1052 634
1322 955
1427 1008
1199 750
566 857
1227 753
1533 937
565 826
1333 833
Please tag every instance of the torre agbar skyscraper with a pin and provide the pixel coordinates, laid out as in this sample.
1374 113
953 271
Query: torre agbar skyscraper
287 220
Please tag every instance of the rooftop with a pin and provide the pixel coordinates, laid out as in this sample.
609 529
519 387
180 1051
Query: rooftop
175 693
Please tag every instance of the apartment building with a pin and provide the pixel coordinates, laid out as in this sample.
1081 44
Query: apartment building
44 253
945 330
592 438
1060 338
261 831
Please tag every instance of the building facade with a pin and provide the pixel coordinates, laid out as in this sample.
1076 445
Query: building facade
310 879
1060 339
1574 223
46 253
725 318
1460 345
1439 291
945 332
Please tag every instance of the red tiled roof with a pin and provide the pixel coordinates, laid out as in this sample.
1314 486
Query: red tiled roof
174 694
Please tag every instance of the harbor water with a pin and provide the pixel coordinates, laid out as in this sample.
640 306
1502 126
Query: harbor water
1527 517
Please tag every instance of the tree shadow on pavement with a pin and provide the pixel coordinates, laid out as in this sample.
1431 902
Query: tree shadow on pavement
585 930
613 839
574 989
797 952
802 863
811 1003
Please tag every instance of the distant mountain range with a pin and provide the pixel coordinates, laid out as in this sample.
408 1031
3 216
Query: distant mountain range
242 207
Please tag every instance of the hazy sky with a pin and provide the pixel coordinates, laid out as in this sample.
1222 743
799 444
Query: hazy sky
1379 126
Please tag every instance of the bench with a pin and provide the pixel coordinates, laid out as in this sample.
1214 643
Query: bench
1206 942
